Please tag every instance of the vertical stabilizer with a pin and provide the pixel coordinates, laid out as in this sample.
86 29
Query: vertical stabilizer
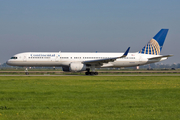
154 46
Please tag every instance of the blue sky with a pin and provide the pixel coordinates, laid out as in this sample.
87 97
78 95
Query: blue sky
87 25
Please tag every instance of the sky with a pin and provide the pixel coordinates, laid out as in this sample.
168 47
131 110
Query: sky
87 26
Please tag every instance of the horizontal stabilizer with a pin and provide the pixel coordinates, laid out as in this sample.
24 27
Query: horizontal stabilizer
163 56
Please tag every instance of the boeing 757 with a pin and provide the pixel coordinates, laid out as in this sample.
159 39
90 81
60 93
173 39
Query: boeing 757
84 61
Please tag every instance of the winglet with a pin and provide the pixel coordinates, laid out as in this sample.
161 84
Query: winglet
125 54
127 51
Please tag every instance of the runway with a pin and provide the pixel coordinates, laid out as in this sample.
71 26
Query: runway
99 75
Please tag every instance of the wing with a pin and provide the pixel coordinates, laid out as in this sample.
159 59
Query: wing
159 57
101 61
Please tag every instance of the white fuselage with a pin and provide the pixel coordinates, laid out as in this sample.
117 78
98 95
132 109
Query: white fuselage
65 58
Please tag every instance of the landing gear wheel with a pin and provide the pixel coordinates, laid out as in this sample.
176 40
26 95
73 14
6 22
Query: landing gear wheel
87 73
91 73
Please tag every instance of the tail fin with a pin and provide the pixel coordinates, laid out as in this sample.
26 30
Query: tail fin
154 46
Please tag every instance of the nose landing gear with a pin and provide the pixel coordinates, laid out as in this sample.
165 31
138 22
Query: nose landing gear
26 71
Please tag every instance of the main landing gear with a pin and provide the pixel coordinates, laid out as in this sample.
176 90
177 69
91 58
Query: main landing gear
91 73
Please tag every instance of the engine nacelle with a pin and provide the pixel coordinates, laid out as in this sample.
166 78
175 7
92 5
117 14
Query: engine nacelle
77 67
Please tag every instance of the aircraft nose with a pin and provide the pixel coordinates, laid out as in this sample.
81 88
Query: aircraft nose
8 62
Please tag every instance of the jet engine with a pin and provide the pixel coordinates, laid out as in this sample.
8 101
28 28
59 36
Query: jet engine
76 67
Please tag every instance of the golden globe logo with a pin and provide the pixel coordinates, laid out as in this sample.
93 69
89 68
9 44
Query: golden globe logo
152 48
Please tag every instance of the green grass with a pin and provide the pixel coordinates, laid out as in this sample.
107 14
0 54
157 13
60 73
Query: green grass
90 97
82 73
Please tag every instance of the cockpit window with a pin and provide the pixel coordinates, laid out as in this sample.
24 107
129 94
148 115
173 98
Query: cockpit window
13 57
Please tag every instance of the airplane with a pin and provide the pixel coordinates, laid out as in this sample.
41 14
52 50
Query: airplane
85 61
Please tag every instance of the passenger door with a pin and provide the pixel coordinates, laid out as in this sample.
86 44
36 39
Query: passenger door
57 58
25 59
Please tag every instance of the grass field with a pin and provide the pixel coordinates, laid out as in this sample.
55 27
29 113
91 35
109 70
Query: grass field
90 98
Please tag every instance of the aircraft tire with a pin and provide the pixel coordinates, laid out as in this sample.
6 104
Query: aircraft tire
87 73
91 73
